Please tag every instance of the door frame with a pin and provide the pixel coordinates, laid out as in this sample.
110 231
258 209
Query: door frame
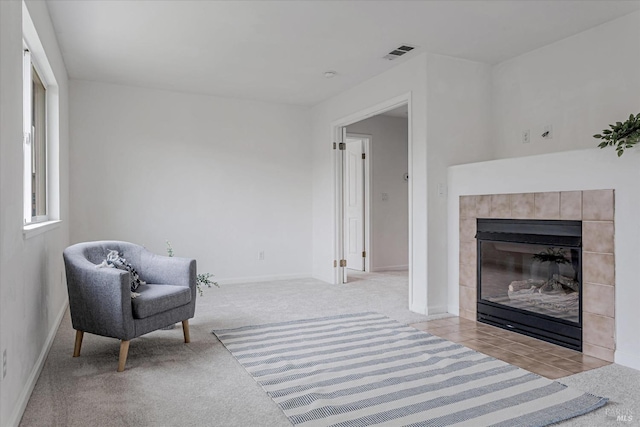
366 149
338 131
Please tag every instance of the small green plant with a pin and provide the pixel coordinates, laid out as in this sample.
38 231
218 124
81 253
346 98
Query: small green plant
621 135
205 279
202 279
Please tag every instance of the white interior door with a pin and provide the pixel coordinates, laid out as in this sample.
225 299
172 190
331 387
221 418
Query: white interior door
354 204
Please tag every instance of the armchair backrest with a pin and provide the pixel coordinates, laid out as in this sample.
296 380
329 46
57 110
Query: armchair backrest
96 252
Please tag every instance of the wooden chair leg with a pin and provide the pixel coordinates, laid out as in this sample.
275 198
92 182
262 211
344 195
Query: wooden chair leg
185 331
124 351
76 348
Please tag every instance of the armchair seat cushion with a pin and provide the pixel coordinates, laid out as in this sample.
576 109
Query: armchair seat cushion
154 299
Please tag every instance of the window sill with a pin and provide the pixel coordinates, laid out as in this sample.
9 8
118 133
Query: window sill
32 230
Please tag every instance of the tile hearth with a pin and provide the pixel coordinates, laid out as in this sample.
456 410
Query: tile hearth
542 358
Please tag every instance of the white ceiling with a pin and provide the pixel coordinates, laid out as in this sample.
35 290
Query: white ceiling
278 50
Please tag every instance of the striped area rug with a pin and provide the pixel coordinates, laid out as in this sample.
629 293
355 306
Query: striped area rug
366 369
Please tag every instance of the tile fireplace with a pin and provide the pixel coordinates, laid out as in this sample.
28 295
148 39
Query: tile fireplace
594 210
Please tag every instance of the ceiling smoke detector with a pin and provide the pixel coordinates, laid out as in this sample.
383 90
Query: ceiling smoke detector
330 74
398 52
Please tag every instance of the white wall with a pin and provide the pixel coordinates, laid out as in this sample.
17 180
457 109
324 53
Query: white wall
590 169
32 292
389 218
463 112
578 85
458 131
222 179
449 123
406 78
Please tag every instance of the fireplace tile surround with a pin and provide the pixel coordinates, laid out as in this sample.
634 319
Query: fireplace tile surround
595 208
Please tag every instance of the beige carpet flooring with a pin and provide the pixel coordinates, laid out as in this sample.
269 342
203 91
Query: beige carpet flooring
169 383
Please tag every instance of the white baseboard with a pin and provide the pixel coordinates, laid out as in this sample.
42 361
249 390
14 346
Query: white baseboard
391 268
256 279
454 309
627 359
436 309
419 308
21 404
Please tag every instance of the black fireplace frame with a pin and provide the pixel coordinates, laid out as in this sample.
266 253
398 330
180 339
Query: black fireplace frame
562 233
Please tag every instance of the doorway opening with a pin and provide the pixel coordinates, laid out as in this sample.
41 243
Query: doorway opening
373 187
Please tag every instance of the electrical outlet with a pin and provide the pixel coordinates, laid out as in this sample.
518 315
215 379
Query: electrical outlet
385 197
442 189
261 256
526 136
548 132
4 363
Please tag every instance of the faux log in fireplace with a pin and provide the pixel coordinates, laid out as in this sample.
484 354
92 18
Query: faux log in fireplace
530 278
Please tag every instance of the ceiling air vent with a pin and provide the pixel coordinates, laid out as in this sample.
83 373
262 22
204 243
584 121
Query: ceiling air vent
398 52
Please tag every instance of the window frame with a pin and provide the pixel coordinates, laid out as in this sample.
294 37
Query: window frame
33 119
39 59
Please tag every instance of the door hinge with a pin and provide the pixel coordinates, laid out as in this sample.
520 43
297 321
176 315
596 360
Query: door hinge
343 263
342 146
335 263
364 156
334 145
364 254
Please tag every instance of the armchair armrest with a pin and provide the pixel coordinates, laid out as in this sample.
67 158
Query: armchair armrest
100 298
166 270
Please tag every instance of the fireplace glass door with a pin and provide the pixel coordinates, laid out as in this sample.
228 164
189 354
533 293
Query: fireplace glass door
540 279
529 278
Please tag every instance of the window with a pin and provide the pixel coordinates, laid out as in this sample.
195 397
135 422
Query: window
41 130
35 144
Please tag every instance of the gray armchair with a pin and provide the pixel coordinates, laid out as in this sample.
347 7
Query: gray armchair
100 298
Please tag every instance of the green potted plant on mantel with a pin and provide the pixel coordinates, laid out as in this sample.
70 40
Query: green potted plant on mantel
621 135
